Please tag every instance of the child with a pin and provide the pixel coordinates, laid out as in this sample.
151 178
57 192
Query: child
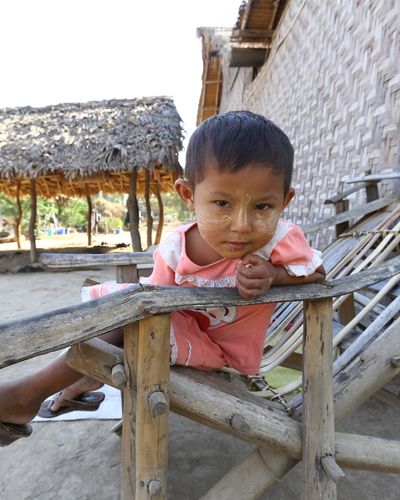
238 176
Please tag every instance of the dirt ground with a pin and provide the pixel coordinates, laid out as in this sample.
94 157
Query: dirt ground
81 459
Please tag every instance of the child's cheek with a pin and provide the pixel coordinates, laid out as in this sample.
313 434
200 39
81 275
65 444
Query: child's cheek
209 220
267 223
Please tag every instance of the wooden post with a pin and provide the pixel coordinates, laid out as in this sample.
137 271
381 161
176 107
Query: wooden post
160 225
318 416
32 222
18 220
127 274
89 216
151 416
133 212
149 217
128 445
144 431
346 310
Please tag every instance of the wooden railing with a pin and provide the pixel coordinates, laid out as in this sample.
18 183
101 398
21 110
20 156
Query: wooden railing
142 371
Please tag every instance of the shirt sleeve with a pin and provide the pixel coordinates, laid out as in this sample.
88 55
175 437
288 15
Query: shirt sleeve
162 274
295 254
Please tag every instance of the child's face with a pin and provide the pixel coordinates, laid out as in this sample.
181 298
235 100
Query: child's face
237 213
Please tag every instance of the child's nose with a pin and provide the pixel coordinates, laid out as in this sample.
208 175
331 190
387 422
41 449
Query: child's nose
241 221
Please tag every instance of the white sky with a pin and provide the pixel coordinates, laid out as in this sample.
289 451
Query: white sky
55 51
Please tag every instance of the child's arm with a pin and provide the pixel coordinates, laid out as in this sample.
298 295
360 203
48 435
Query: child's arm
255 275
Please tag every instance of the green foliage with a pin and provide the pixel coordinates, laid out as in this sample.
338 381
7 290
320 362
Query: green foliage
7 206
174 207
73 214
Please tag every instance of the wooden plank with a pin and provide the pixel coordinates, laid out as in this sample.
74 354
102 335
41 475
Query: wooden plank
318 419
63 327
151 426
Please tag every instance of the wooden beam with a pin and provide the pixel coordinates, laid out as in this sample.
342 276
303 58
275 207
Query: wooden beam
96 358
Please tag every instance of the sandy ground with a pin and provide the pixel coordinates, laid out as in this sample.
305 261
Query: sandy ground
81 459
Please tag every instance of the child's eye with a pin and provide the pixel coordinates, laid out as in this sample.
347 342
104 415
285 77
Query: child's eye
221 203
263 206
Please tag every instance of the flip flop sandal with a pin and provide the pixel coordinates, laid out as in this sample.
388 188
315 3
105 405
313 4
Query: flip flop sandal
88 401
11 432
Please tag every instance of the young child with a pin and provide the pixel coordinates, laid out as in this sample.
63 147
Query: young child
238 177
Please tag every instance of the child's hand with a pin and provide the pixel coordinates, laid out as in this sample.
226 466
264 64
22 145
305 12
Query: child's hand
254 276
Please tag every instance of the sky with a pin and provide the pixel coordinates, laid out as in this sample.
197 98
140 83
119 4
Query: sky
56 51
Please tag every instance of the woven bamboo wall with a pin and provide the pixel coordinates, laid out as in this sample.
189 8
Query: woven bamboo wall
332 82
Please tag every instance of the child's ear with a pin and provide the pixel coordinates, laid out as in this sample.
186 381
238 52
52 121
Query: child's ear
289 197
185 192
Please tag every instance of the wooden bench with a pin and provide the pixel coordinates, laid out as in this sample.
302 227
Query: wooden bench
149 387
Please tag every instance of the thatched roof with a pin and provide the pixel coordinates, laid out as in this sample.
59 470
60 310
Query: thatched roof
71 149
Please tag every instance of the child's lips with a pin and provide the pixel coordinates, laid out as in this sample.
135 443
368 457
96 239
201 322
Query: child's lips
237 245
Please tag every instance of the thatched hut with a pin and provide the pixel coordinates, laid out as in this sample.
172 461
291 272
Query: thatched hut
120 145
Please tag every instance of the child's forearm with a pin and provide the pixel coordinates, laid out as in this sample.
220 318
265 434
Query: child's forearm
283 278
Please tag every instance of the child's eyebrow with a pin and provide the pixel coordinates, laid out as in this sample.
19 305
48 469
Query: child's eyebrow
266 197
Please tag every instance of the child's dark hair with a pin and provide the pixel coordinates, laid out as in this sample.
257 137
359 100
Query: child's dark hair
235 139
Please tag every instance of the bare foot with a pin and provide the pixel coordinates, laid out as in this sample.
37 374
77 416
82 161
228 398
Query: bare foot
85 384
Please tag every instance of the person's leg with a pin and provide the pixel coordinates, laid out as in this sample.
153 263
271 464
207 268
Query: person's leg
87 384
20 400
